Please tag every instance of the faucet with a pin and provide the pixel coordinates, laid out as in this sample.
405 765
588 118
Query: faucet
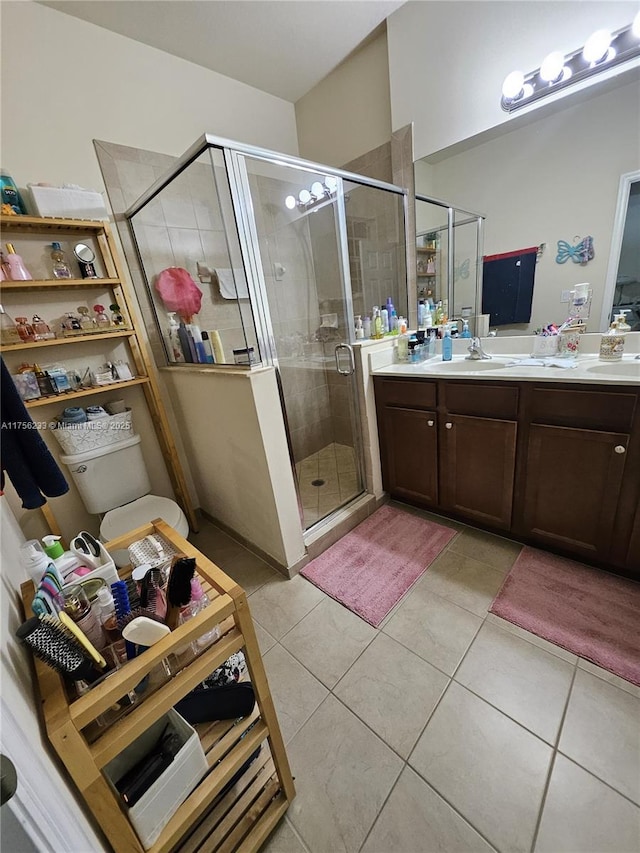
476 353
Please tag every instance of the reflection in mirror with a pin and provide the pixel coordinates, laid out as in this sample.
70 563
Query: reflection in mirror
624 267
542 179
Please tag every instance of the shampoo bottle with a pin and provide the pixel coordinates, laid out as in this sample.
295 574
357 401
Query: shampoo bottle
447 346
174 350
206 343
14 266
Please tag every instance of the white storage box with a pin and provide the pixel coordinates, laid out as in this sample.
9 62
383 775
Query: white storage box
68 203
78 438
160 802
107 571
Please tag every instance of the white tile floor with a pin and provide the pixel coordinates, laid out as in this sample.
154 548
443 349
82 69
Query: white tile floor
447 729
326 480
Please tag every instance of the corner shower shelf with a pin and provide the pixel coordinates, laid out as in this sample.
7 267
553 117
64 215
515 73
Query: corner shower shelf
141 363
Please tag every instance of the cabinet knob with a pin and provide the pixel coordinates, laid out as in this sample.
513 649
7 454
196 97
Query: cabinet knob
620 448
430 423
448 425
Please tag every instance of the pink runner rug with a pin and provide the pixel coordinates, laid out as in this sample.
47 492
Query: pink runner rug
373 566
589 612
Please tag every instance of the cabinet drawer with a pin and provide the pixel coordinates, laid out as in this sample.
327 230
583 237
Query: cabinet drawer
410 393
607 411
481 400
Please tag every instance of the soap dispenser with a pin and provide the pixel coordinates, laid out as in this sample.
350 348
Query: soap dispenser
621 320
612 343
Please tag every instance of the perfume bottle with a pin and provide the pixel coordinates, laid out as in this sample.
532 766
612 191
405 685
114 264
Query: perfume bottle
14 266
117 318
25 330
87 322
61 268
8 332
70 323
41 330
101 318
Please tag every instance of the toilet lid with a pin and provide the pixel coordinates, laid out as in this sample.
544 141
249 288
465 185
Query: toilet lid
121 520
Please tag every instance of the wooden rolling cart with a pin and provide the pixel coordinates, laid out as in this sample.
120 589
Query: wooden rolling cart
35 229
240 819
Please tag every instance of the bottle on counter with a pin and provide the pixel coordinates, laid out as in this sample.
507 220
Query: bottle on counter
60 267
447 346
8 332
366 327
108 616
465 329
14 267
359 328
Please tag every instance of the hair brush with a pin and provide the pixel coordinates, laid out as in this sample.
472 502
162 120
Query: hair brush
179 588
49 641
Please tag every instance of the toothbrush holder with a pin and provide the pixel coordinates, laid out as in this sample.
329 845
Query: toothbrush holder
545 345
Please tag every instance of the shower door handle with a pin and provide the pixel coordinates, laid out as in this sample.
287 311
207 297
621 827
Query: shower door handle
351 368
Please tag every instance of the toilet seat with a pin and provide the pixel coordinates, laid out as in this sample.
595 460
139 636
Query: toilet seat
142 511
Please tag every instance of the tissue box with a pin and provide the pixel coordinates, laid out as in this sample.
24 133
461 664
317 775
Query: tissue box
160 802
69 203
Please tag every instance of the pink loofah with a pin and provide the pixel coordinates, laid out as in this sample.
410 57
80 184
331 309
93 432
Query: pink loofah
179 292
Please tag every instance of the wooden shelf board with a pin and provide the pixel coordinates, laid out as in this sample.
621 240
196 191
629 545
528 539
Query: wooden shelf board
57 283
18 223
72 395
91 336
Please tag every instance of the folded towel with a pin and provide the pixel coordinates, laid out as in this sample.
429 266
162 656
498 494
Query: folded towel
229 280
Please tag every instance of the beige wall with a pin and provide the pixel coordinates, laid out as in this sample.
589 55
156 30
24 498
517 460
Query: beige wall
66 82
349 112
447 61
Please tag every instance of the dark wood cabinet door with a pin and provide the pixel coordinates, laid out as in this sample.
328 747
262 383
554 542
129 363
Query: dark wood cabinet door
477 466
409 446
572 484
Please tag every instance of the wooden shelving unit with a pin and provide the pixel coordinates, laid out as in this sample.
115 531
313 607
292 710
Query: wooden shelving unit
114 282
242 817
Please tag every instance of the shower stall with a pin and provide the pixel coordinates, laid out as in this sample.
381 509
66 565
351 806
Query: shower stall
287 255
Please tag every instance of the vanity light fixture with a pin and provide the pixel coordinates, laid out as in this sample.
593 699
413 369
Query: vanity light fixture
601 51
308 199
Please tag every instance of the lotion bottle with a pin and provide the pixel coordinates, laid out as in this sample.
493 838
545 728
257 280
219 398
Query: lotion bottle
447 346
14 266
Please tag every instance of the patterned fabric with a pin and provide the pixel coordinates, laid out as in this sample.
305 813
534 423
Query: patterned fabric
231 670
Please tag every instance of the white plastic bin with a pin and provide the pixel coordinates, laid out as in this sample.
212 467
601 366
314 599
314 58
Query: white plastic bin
160 802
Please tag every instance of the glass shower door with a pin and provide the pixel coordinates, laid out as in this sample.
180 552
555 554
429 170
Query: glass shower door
300 264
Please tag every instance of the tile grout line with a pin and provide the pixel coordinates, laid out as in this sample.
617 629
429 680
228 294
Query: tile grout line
552 763
603 781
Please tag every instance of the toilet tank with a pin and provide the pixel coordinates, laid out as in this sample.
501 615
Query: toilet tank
108 477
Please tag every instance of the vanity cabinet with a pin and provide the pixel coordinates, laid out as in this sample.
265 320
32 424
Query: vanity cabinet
458 455
554 465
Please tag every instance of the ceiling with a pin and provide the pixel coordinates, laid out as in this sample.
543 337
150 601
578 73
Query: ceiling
284 47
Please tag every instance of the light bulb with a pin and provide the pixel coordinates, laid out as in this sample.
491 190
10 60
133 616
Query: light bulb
304 196
331 183
290 202
513 85
552 67
317 189
597 46
635 26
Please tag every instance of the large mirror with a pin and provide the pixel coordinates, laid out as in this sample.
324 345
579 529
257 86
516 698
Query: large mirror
549 182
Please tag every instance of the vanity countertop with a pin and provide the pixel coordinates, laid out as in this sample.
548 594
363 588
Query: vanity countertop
588 367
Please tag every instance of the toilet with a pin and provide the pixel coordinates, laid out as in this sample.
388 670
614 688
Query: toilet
113 480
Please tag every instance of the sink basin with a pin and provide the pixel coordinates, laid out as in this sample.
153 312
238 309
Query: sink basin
466 366
618 368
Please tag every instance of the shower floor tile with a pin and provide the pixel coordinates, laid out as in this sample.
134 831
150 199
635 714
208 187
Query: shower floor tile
326 480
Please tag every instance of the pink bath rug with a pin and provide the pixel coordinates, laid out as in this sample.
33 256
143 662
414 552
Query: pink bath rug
594 614
373 566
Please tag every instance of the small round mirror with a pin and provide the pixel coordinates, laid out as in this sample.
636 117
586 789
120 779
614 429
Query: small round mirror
84 253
